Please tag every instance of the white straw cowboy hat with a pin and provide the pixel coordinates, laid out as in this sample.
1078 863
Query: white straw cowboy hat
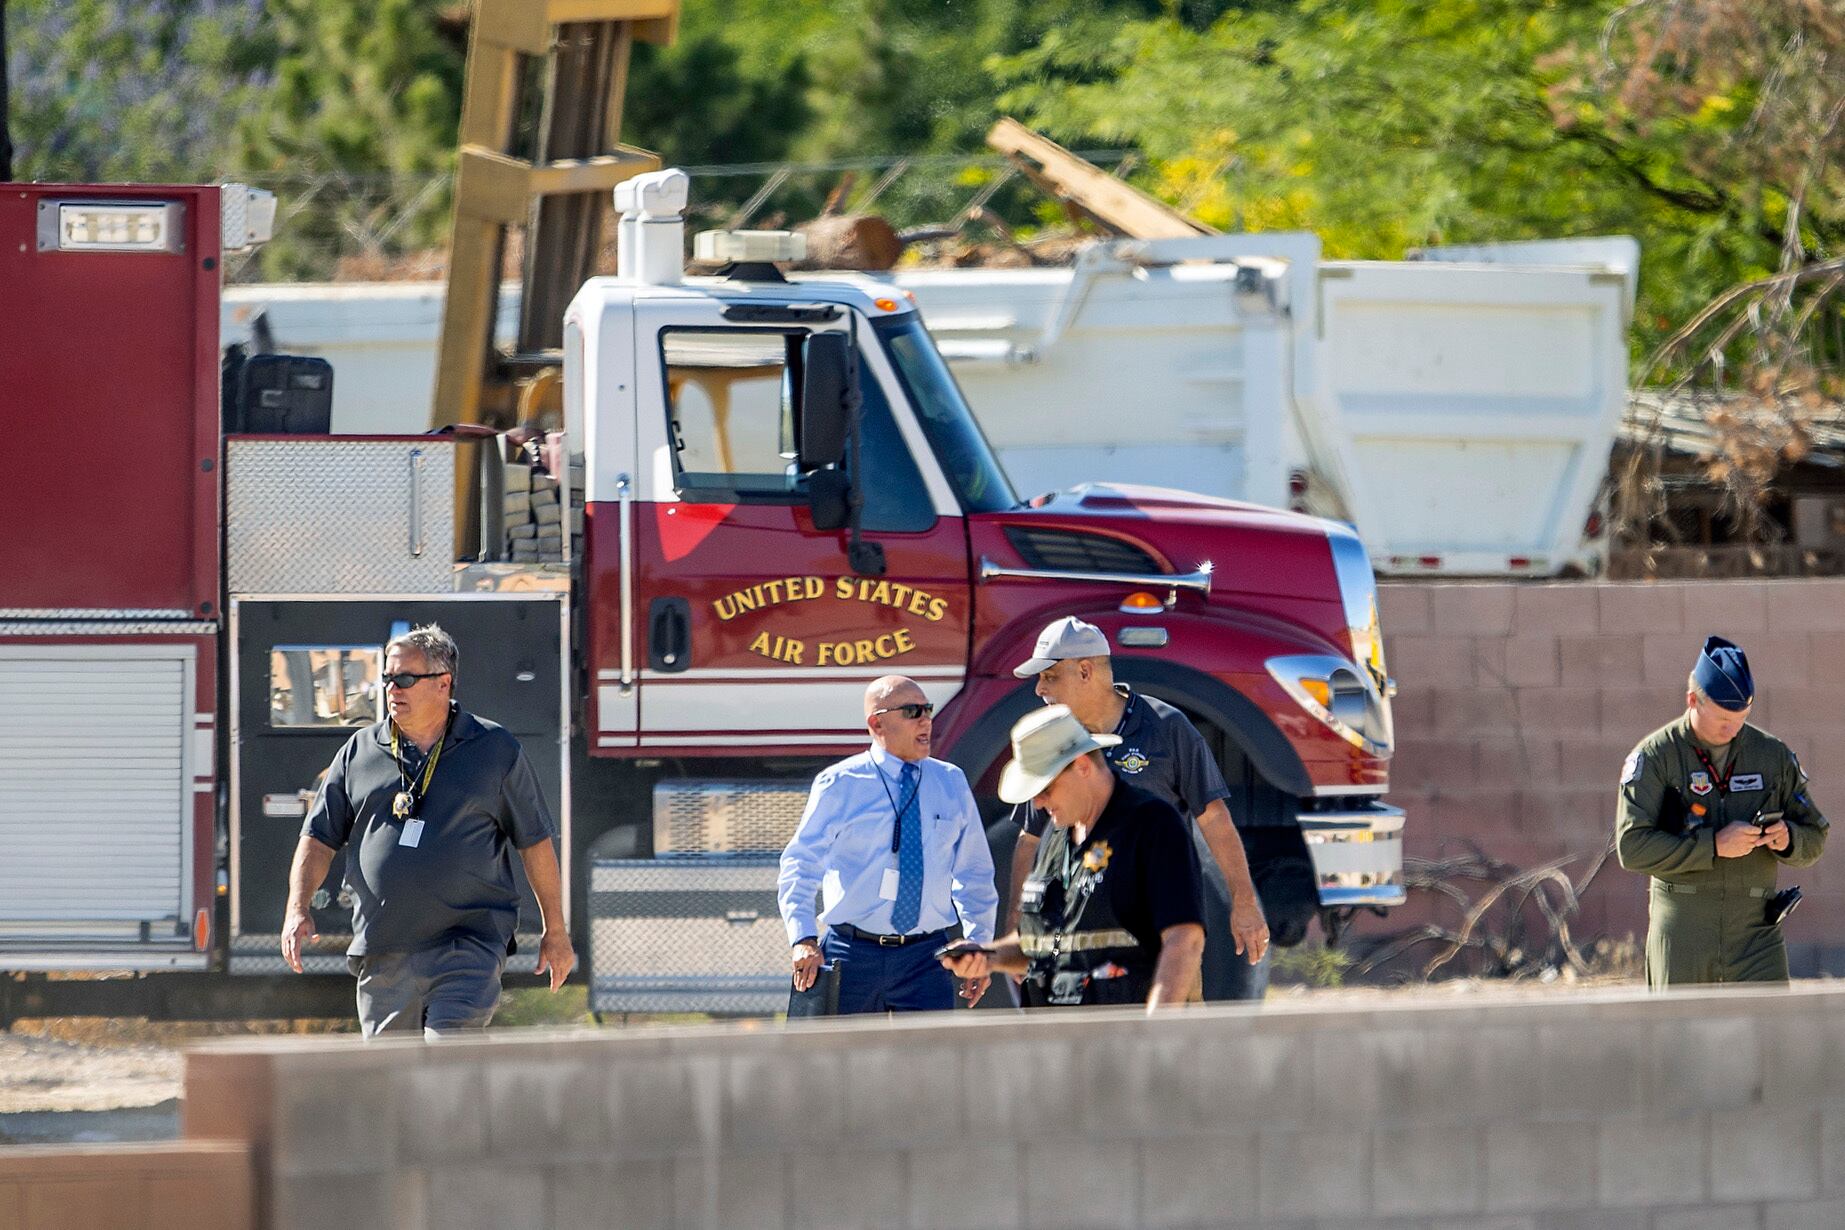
1043 745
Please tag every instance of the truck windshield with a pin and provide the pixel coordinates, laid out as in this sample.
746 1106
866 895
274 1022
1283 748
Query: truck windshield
979 482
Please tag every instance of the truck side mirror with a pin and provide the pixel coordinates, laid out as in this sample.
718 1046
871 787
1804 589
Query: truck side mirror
829 376
830 494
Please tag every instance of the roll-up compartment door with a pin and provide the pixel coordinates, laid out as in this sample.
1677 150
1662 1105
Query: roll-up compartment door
95 795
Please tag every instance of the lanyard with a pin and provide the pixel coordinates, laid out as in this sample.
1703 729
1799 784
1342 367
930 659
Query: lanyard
896 833
420 790
1721 779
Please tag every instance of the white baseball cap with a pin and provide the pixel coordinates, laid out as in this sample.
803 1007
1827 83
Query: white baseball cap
1068 637
1044 743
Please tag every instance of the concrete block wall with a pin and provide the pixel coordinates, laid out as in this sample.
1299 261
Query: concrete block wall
1517 704
189 1185
1601 1110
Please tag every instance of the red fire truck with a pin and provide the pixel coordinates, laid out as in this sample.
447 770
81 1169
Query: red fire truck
765 492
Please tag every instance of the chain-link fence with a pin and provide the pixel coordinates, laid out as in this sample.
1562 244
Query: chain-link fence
346 226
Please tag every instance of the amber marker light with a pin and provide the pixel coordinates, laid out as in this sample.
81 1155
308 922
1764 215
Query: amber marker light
1140 602
885 305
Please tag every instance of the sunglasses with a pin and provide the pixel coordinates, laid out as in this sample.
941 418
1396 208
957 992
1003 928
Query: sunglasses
910 712
407 679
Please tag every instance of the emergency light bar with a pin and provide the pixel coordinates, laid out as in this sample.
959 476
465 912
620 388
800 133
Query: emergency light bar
111 226
748 247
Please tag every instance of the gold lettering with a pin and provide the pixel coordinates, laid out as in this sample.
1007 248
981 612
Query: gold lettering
779 648
815 587
880 593
744 601
842 588
884 647
825 655
774 590
904 643
898 594
726 607
919 602
938 607
864 653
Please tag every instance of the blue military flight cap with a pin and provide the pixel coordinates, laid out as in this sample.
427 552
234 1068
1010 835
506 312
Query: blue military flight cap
1723 673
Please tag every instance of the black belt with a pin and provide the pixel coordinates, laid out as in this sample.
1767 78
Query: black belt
889 941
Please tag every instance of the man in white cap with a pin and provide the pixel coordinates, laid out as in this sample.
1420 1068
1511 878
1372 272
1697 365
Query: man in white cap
1159 751
1112 911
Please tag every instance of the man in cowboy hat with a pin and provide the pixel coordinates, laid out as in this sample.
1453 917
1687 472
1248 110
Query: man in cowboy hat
1112 911
1159 751
1711 807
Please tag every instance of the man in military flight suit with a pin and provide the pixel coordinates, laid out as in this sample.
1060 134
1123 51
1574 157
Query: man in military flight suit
1113 909
1711 807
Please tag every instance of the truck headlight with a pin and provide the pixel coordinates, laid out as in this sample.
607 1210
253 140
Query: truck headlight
1340 694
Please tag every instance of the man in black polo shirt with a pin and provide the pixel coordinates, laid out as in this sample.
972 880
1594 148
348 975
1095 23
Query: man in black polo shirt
430 804
1158 750
1112 911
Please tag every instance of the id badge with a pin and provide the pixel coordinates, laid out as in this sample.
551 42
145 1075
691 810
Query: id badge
887 891
1031 896
412 834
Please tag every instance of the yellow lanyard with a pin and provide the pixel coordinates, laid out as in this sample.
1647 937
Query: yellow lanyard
421 790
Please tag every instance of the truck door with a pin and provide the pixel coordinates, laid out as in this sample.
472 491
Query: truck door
752 629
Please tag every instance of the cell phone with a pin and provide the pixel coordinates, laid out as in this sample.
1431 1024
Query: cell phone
1779 906
960 949
1765 818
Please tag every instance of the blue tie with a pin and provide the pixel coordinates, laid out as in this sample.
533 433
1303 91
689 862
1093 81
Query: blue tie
908 906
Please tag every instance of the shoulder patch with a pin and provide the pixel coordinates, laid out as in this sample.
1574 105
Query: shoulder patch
1630 771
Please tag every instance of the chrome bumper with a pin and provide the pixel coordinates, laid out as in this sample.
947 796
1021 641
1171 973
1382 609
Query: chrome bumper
1357 855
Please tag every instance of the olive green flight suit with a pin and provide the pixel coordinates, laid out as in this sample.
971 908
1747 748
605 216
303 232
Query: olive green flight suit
1706 914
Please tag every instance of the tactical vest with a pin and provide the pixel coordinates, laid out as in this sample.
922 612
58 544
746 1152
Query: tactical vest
1079 952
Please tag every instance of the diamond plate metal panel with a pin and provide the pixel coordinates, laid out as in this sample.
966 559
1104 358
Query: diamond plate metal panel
320 515
687 934
726 817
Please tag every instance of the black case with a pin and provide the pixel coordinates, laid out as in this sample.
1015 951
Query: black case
277 394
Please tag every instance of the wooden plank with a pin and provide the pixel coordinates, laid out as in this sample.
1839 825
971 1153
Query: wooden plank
560 11
513 25
1116 204
467 325
599 174
528 26
487 94
492 186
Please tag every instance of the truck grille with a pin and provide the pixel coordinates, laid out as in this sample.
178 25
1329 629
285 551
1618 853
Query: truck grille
1075 551
726 817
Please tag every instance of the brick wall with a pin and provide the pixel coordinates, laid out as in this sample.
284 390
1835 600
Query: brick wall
1518 703
189 1185
1600 1110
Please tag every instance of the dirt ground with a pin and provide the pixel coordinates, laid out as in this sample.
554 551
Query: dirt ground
40 1073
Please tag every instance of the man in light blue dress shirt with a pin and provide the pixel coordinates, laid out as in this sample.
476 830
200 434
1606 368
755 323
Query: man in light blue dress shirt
892 842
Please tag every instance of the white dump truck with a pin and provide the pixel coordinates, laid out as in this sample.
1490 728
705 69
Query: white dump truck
1457 408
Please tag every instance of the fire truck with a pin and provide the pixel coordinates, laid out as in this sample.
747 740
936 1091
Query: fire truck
764 493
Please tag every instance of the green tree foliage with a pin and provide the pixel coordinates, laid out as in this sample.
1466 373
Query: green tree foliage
1389 124
356 129
146 90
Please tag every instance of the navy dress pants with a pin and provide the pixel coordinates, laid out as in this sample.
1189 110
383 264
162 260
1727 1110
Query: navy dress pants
879 979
